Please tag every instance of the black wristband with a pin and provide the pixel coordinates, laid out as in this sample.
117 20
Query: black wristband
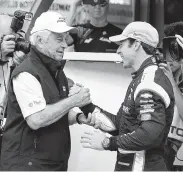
77 117
113 143
3 62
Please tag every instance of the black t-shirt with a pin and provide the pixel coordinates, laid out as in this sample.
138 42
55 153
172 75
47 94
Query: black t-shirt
97 39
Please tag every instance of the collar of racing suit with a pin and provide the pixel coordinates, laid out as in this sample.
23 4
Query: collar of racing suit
51 64
148 62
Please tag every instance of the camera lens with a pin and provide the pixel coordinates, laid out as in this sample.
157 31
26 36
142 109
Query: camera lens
23 46
174 50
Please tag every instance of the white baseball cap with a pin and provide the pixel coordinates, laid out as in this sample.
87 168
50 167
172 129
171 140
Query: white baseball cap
51 21
140 31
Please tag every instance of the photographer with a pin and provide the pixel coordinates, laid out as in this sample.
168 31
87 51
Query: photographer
6 46
173 54
7 63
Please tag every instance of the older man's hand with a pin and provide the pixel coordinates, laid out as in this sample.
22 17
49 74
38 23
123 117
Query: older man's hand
76 88
81 96
168 72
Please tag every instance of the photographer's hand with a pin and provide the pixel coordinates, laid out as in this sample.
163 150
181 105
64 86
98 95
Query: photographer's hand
168 72
7 45
18 57
179 40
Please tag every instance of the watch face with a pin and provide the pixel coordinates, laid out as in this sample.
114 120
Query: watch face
106 143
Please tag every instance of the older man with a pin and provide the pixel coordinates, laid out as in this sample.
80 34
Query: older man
36 135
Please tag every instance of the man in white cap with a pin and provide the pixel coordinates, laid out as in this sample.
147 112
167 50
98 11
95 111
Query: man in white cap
36 135
142 123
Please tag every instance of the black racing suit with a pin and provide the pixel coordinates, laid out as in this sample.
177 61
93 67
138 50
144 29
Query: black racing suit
143 121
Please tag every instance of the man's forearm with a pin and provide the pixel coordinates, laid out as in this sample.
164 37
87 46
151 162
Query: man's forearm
147 136
51 113
151 129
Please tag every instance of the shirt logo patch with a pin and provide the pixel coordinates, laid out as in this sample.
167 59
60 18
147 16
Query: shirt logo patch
145 117
105 39
104 33
147 101
147 106
31 104
126 109
64 88
146 95
61 20
88 40
146 110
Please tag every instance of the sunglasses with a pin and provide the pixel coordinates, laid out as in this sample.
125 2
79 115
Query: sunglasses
102 3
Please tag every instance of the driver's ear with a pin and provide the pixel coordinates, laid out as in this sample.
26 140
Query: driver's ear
137 44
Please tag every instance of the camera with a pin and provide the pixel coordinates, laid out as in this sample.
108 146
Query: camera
16 25
160 58
172 49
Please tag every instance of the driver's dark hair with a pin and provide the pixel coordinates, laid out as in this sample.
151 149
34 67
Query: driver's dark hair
147 48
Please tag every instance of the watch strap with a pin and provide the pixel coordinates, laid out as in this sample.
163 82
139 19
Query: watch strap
77 117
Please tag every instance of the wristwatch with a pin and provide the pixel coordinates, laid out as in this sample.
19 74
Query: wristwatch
77 117
106 143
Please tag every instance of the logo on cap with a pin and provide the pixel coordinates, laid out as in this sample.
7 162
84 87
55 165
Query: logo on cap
95 1
61 19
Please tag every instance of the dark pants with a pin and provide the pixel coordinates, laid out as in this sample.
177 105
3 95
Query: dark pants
152 162
170 154
30 164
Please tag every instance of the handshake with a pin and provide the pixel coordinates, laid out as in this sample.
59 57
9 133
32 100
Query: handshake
93 115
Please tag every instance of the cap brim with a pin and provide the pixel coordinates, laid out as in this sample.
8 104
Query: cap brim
117 38
62 30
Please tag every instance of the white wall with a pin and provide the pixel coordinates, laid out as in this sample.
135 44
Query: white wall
108 83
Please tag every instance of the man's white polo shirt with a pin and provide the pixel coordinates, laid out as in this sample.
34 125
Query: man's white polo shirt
29 94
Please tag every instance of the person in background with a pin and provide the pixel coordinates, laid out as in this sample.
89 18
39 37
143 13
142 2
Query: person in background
81 15
174 71
40 105
7 45
93 36
140 129
7 61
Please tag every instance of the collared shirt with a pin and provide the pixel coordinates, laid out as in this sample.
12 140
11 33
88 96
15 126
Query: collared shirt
29 94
